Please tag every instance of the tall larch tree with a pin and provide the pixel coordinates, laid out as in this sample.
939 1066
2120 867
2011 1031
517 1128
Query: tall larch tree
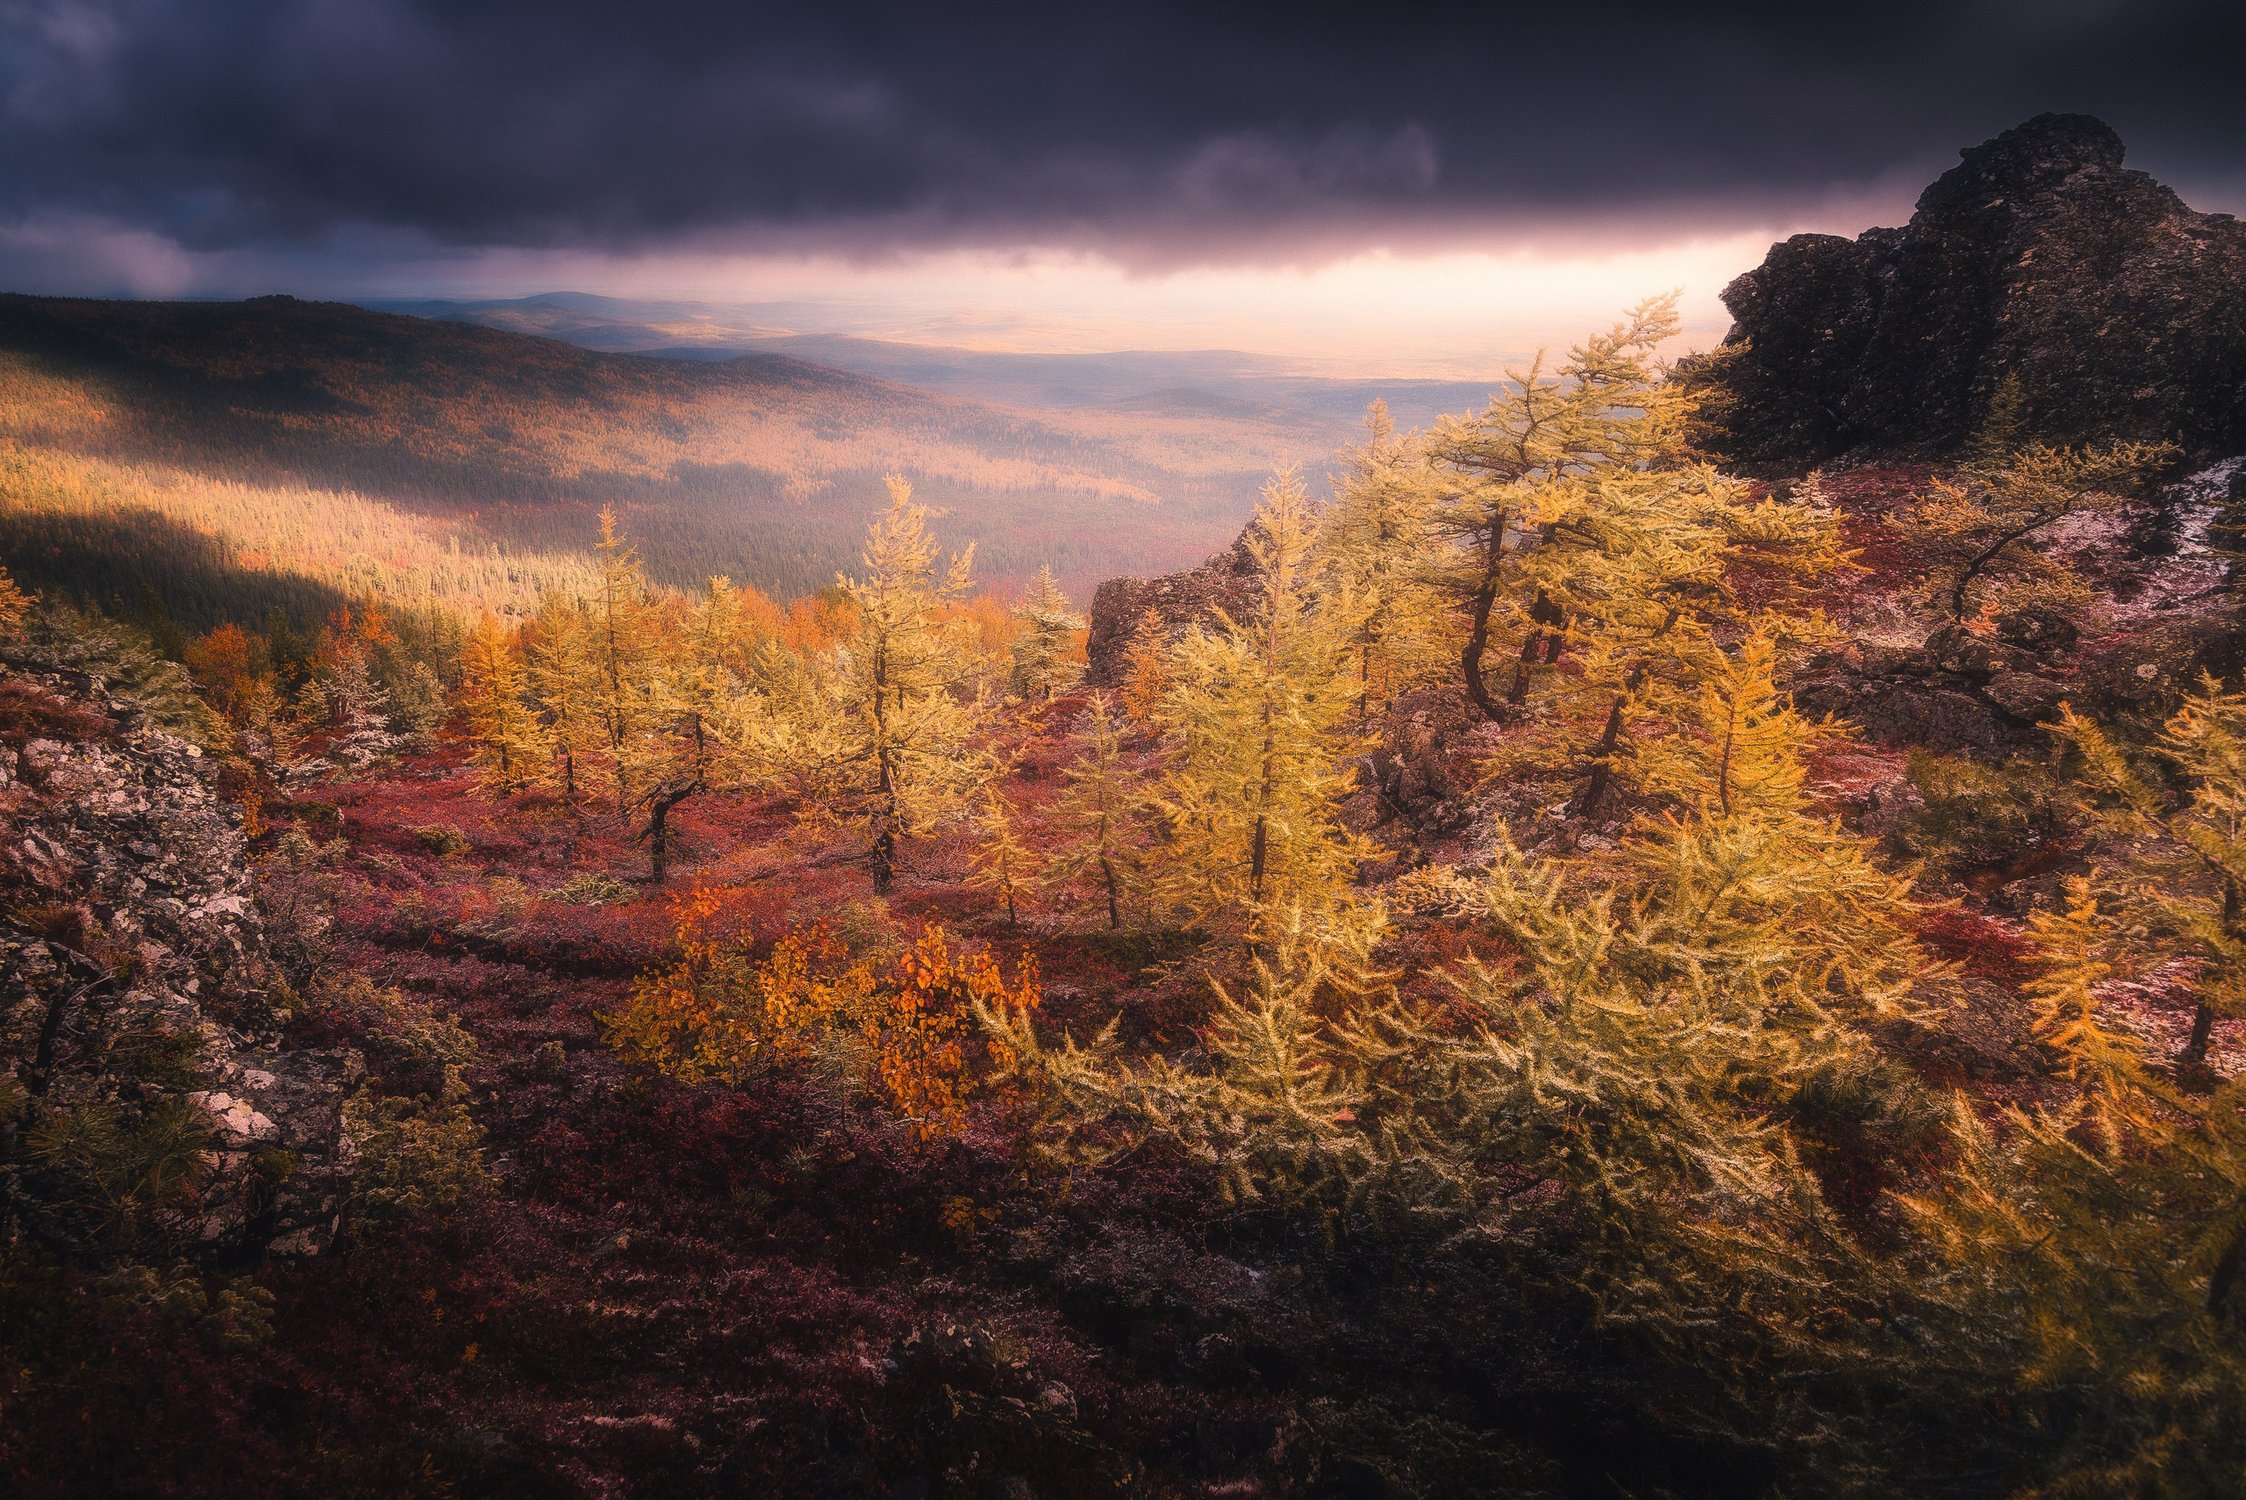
1146 667
1517 470
510 743
697 719
1044 651
1099 816
623 652
1003 863
1644 569
877 734
568 684
1258 726
1375 547
357 705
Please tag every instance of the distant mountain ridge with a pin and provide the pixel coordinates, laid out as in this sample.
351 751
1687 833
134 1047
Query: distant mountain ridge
2038 259
1229 379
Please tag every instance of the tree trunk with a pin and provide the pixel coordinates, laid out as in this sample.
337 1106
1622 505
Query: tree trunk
1114 905
1602 763
2203 1020
1477 644
1544 633
2202 1033
1602 771
1987 555
1518 693
884 860
659 805
1478 621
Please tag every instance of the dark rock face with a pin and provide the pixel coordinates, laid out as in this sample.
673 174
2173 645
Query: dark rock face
1227 581
2121 312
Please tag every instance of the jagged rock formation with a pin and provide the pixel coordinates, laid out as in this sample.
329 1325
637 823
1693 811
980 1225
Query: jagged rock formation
1227 581
2120 311
134 983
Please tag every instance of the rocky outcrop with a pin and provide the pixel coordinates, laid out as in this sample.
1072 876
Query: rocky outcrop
2170 615
135 989
1227 581
2039 257
1958 693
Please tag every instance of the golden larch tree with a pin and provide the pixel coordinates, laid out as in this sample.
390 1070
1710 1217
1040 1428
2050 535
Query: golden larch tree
1257 723
1099 838
1045 651
510 743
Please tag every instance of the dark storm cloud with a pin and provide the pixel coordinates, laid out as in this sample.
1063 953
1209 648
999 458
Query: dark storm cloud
1161 133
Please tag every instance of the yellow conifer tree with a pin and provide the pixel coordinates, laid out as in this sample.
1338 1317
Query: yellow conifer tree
509 741
877 733
623 641
1003 864
1519 469
1374 547
1097 816
2188 876
568 684
1257 722
1146 667
1044 651
1981 527
15 604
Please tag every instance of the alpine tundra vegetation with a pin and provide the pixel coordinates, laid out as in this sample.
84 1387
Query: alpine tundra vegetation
1678 932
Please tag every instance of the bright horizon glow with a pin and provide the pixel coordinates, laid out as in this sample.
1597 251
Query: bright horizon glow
1455 314
1465 307
1437 313
1445 314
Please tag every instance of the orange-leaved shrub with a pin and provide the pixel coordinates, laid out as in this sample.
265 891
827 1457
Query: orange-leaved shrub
905 1028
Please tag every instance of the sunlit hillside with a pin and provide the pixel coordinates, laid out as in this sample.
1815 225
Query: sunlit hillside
359 449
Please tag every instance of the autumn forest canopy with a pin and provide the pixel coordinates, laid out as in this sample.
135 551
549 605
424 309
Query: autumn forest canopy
579 923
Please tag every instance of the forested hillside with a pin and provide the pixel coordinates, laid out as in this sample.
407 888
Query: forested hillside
216 424
1227 380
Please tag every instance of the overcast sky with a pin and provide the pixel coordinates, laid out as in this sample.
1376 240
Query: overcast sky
1446 179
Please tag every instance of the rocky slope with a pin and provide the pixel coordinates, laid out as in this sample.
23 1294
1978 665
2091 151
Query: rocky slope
2120 311
135 994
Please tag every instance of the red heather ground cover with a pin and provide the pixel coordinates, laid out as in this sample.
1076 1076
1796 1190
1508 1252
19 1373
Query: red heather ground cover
739 1290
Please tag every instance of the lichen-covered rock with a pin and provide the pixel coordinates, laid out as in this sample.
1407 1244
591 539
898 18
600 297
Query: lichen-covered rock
1977 658
1933 697
135 982
2025 696
1421 769
2036 630
1228 581
2146 672
2039 257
